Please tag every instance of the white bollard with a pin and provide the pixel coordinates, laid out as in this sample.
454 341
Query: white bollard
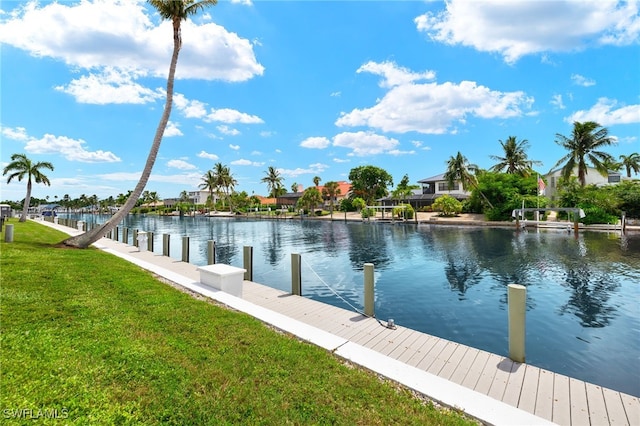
517 301
142 241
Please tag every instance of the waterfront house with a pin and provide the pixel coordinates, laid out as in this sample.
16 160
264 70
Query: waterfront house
431 188
593 177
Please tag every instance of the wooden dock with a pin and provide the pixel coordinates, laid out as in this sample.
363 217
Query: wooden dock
557 398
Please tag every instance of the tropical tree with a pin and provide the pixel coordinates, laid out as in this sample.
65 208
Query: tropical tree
631 162
448 205
330 191
316 180
404 190
227 183
294 187
310 199
459 169
21 167
273 179
209 183
583 145
515 160
369 183
176 11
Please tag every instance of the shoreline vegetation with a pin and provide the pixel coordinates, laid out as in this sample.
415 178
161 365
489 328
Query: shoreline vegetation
90 338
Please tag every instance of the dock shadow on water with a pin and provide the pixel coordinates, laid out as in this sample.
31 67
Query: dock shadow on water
582 320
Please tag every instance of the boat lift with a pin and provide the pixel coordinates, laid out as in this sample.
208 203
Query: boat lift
577 214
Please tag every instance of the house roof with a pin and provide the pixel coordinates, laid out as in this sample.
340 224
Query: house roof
435 178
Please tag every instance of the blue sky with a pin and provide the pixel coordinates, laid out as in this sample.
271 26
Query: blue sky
311 88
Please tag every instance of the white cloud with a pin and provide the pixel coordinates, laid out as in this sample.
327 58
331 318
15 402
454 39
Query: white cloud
172 130
16 134
315 142
243 2
605 113
393 74
336 94
71 149
204 154
181 165
433 108
267 133
397 152
556 101
234 147
190 108
256 153
365 143
230 116
243 162
110 86
518 28
226 130
129 39
313 169
340 160
186 179
582 81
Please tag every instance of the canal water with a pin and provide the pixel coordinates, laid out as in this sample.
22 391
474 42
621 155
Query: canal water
583 293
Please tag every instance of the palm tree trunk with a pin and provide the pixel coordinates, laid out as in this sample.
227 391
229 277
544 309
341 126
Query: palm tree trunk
90 237
27 200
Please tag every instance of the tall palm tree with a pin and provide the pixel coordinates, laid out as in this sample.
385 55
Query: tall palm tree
176 11
331 190
515 160
316 180
459 169
273 179
294 187
21 166
210 183
227 183
586 138
631 162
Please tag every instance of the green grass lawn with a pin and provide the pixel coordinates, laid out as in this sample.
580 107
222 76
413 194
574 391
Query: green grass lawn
94 339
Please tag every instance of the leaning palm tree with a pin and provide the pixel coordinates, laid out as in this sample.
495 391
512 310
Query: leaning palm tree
584 144
19 167
459 169
273 179
209 183
631 162
176 11
515 160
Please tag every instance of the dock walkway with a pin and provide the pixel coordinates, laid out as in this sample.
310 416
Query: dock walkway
487 386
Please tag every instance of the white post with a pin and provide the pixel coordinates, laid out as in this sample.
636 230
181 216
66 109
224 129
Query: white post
368 290
517 301
8 233
141 239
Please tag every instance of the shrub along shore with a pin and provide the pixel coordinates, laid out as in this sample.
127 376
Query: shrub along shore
92 339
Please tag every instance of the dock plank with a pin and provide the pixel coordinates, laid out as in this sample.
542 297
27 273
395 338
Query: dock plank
501 379
597 406
511 394
488 373
454 361
464 365
529 390
561 400
442 358
544 396
615 408
579 408
632 408
474 373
